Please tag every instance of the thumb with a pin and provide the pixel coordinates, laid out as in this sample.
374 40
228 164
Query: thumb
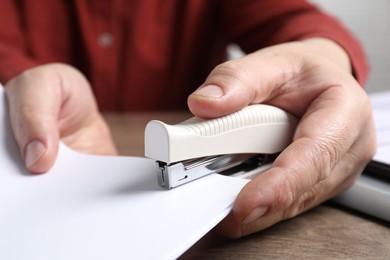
278 75
224 91
33 114
235 84
35 99
52 102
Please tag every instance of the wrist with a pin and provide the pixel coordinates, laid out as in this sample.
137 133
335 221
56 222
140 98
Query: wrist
331 50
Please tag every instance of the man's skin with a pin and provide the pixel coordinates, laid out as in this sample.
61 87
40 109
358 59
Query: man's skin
311 79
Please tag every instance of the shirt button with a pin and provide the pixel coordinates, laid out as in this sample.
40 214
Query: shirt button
105 40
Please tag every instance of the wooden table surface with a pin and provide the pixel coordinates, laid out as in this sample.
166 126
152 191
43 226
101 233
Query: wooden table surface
326 232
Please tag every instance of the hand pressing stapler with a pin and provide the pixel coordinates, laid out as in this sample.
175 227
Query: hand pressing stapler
236 144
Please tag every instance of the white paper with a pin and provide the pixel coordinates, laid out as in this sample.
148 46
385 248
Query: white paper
96 207
381 106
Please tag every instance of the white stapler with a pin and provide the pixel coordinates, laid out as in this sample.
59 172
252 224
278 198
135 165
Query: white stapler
240 142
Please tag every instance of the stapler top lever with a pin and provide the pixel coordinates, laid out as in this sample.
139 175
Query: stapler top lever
197 147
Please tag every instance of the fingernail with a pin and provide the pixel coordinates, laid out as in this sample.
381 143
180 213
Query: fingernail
34 150
211 91
255 214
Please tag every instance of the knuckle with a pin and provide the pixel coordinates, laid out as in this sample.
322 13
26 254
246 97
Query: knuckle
285 191
230 69
324 155
236 75
306 201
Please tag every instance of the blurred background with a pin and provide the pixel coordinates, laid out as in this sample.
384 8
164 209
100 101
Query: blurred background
370 21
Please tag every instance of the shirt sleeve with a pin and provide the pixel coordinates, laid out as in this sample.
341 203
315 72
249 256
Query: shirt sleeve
14 57
268 22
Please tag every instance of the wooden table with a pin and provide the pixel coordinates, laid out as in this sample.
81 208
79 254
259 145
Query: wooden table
326 232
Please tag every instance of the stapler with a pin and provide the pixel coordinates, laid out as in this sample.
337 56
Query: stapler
236 144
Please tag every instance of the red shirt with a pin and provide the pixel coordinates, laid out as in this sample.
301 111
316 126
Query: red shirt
151 54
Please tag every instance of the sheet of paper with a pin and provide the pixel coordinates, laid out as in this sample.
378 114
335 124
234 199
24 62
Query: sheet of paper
381 106
96 207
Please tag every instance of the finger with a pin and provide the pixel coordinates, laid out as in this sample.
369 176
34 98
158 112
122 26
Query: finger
265 217
289 76
231 227
254 78
53 102
33 119
331 154
229 87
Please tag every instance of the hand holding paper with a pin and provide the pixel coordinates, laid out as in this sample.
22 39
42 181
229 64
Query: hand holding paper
101 207
52 102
